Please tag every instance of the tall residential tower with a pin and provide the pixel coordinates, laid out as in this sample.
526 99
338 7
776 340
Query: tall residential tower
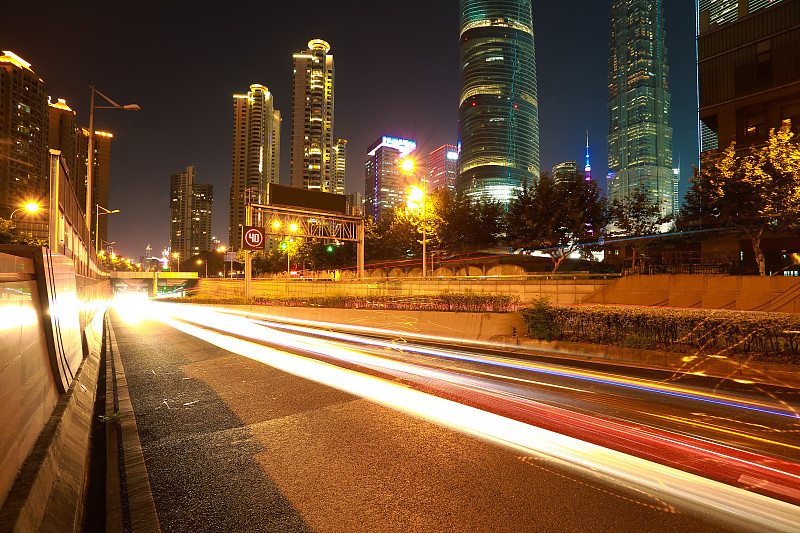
256 152
190 214
23 134
639 126
498 117
312 164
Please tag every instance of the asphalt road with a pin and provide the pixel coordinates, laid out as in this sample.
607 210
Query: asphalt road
233 444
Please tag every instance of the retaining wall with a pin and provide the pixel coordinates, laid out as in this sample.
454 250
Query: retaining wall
745 293
50 342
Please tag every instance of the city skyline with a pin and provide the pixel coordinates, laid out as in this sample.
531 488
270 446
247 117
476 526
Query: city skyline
416 98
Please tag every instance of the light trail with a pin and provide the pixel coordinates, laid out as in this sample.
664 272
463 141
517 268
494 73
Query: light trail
736 507
586 375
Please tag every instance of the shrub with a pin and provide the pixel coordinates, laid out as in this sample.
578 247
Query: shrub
770 336
541 320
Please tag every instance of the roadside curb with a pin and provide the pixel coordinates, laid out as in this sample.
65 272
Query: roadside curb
128 493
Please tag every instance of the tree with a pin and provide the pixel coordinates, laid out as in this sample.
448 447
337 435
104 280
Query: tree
460 224
758 192
9 234
557 218
636 216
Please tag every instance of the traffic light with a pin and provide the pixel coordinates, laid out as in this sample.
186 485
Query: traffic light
284 245
330 248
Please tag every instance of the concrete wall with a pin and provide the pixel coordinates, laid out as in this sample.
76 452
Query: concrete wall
28 392
563 290
751 293
50 341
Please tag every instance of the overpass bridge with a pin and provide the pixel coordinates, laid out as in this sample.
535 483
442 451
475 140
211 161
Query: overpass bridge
155 284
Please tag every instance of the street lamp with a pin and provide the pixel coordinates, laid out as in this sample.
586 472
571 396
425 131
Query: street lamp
221 250
176 256
97 224
417 196
200 262
30 207
90 169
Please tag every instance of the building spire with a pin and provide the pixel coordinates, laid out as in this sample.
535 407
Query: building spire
588 168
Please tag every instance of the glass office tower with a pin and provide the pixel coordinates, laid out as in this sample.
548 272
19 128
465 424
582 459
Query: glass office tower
639 125
498 126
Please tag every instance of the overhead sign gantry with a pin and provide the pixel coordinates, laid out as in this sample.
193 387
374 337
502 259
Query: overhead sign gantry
281 211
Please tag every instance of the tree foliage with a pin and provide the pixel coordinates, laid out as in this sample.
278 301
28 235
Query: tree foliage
757 192
558 218
10 234
636 216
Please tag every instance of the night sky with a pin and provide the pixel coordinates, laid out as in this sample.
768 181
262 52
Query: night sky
396 74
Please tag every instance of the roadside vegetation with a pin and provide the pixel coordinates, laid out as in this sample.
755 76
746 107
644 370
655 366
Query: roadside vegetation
466 301
771 337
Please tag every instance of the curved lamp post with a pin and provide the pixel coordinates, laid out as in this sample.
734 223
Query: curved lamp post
90 168
30 207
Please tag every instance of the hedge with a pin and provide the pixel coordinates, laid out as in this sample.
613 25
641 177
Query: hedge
769 336
444 301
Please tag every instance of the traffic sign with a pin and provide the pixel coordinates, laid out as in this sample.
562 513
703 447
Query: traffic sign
253 238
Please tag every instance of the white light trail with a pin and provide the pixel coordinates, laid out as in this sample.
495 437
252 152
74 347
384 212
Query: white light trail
737 507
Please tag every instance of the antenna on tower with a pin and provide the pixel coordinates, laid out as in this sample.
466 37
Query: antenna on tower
588 168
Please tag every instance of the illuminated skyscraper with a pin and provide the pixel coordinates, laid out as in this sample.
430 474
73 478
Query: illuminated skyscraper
443 167
101 177
190 214
256 152
339 165
640 134
63 132
312 165
498 126
385 181
748 71
23 134
720 12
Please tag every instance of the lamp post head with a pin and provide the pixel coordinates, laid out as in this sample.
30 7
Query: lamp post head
32 207
131 107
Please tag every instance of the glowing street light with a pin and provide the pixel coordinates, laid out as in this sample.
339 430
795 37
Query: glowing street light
30 207
200 262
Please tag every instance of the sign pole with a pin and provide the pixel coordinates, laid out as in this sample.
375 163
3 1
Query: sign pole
248 261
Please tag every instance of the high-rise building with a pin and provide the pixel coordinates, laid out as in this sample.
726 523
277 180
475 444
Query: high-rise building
565 171
748 71
312 119
63 133
713 13
443 167
101 176
385 180
498 117
256 152
354 204
190 214
23 134
676 186
339 165
640 131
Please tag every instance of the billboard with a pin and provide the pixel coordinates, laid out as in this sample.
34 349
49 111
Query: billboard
284 196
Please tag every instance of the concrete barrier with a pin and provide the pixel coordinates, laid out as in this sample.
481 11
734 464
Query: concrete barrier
508 330
50 342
